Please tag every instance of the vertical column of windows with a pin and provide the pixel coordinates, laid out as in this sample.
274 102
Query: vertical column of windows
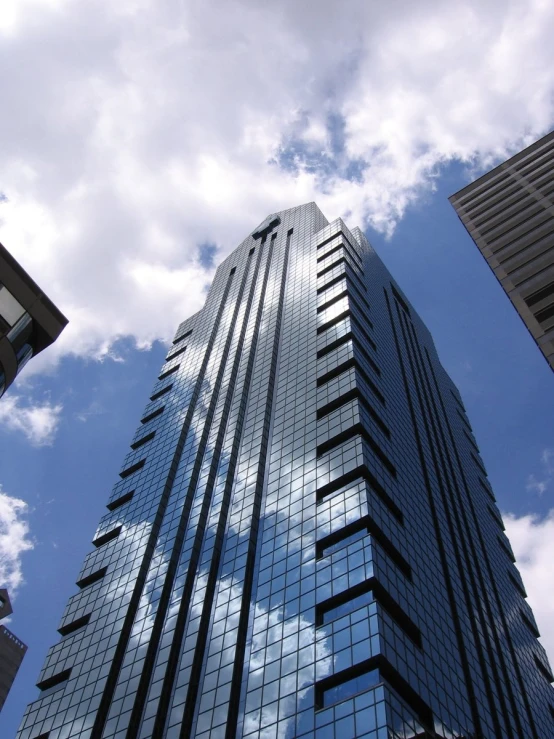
197 603
255 504
452 514
128 678
186 502
180 715
227 599
482 555
456 616
276 693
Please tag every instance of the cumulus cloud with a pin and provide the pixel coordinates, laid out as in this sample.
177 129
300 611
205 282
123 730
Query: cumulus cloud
532 539
14 540
38 422
135 132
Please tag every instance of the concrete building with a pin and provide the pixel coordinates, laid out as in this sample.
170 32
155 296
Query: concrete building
509 213
29 321
302 541
12 650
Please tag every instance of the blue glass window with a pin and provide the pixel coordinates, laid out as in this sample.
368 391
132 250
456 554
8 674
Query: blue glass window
356 536
351 605
350 687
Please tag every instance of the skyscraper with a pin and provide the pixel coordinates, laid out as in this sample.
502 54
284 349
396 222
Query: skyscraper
29 321
12 649
303 541
509 213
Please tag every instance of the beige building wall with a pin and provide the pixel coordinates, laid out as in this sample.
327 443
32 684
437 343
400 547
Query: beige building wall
509 213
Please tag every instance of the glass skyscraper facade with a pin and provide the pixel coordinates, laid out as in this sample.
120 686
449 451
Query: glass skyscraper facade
303 541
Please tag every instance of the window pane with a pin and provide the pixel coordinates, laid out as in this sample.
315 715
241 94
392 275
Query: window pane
10 310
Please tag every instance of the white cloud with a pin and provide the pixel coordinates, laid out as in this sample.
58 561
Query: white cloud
14 540
38 422
541 484
532 540
135 131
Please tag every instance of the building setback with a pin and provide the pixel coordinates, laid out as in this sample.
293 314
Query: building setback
29 321
303 541
509 213
12 650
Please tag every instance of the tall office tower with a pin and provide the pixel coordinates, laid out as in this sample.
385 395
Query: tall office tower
303 542
12 650
29 321
509 213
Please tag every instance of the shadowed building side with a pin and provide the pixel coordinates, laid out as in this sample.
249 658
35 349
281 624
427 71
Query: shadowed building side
509 213
29 321
12 650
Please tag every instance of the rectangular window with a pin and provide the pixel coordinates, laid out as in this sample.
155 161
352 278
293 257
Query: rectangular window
55 680
133 468
118 502
84 582
351 363
180 338
360 595
358 530
161 392
324 550
144 440
357 430
530 625
331 267
545 314
496 517
332 301
517 585
334 345
169 372
109 536
11 309
545 672
176 353
348 397
153 415
331 283
349 688
352 254
349 606
330 252
357 475
507 549
333 321
74 626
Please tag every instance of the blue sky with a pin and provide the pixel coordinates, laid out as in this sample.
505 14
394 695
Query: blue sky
145 140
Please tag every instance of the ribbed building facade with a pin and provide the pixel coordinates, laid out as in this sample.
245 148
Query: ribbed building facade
303 541
509 213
